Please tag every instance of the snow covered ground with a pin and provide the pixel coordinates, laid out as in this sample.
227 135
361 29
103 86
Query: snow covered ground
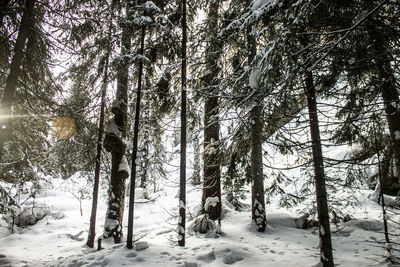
61 242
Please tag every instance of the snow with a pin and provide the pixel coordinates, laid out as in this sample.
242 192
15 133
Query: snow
124 166
112 128
150 6
397 135
211 201
322 230
60 241
182 205
254 78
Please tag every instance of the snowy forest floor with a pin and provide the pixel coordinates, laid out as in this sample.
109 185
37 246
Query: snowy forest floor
61 242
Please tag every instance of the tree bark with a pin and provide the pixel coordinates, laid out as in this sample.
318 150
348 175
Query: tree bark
196 164
182 188
26 25
390 96
326 255
258 202
256 124
322 202
211 162
135 144
114 143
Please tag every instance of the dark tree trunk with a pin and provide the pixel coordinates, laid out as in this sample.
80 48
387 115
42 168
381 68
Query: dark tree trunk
114 143
322 202
326 255
256 124
26 25
135 144
182 188
258 207
92 228
3 10
390 96
211 158
381 48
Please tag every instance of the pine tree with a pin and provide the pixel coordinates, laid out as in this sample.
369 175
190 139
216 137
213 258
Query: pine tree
211 200
26 25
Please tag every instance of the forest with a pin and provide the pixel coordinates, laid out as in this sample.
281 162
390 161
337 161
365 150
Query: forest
199 133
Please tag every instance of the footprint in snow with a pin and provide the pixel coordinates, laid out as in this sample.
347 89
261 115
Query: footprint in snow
131 254
231 259
207 258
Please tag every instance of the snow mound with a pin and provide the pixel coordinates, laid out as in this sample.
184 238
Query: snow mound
366 224
141 245
283 219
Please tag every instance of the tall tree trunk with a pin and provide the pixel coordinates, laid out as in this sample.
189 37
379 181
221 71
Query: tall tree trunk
211 158
322 202
135 143
381 48
26 25
326 255
182 188
390 96
114 143
257 192
92 227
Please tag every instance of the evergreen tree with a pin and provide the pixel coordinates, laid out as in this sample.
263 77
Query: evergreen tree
26 25
211 200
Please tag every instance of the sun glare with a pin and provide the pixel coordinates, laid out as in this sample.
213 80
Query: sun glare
63 127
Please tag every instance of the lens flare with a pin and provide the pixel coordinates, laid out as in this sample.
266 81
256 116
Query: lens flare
63 127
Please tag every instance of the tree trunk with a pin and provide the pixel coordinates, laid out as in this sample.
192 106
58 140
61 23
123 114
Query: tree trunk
135 144
390 96
114 143
144 151
326 255
182 182
92 227
256 124
322 202
211 158
26 25
196 161
258 205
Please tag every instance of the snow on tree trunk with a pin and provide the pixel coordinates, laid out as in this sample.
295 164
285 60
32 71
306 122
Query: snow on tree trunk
258 205
257 192
114 143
